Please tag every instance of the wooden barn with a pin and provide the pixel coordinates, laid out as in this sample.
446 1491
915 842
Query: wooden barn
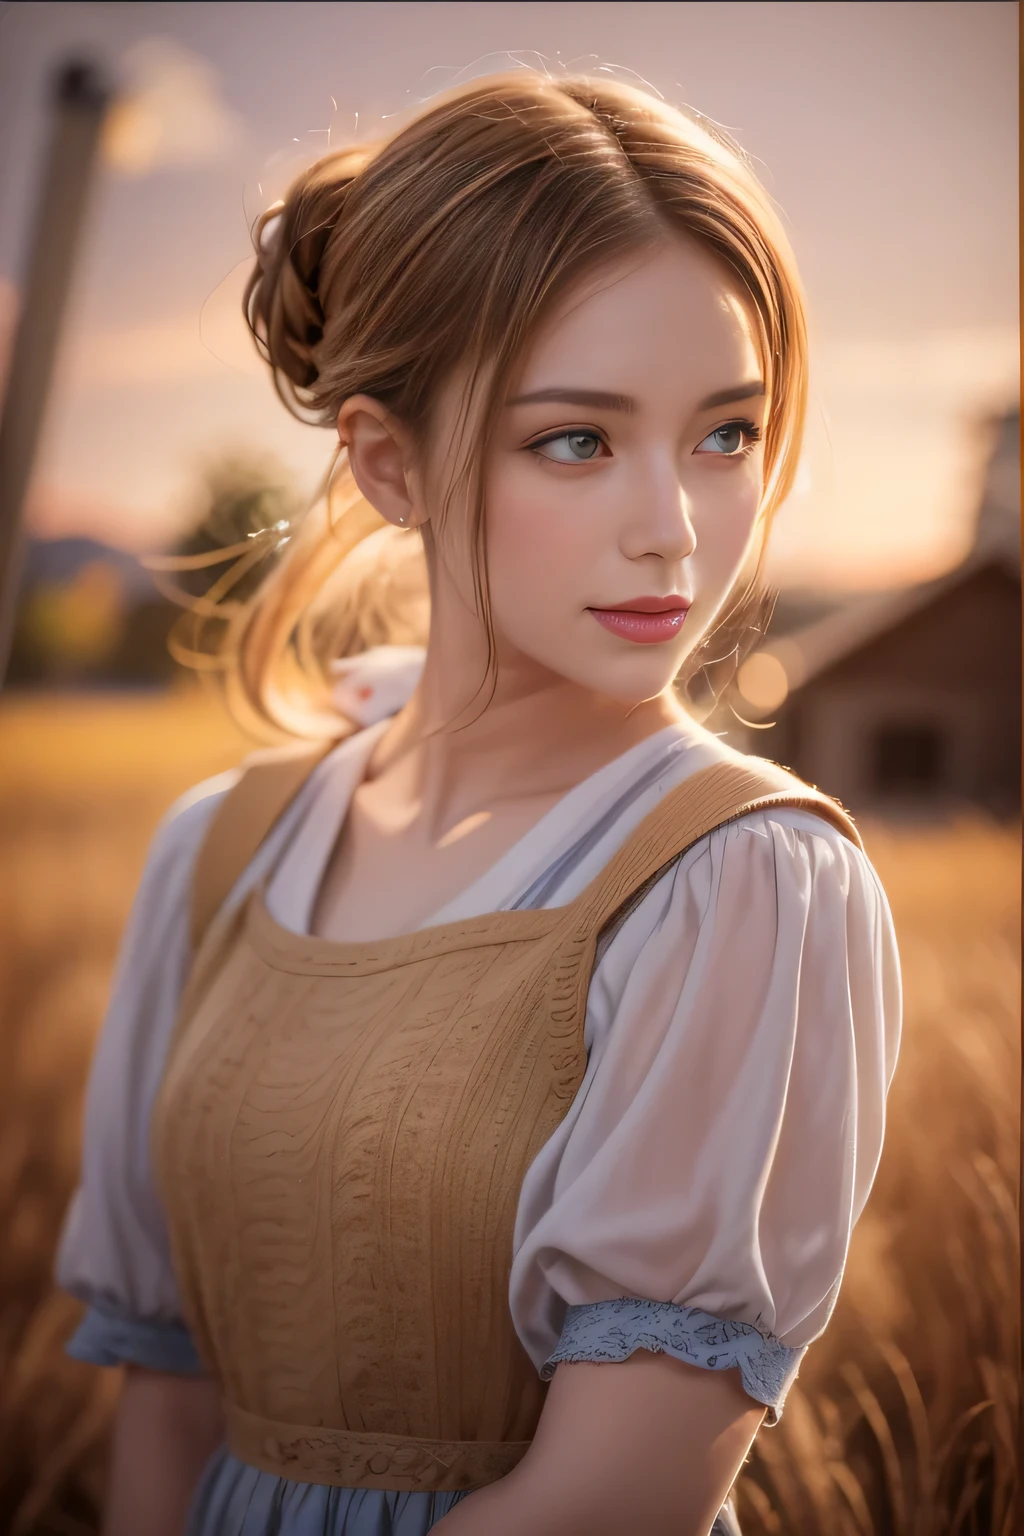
909 702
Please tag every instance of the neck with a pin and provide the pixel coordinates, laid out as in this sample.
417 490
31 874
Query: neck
458 749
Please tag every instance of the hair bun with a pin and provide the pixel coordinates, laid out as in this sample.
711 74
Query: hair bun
283 304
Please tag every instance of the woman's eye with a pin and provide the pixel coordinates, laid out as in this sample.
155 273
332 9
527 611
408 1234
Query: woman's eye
570 447
731 439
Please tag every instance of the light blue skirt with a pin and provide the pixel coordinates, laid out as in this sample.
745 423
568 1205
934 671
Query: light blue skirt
234 1499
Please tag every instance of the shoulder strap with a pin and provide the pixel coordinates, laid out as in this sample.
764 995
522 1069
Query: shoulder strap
708 799
269 783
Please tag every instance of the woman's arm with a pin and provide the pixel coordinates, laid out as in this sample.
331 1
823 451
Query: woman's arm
166 1429
645 1444
114 1250
744 1026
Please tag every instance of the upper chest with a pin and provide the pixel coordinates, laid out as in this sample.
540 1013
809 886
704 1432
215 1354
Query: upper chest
389 871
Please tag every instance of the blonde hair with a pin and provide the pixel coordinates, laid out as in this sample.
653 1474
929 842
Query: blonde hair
390 265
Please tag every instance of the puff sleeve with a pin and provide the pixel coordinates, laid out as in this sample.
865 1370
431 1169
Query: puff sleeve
699 1196
114 1253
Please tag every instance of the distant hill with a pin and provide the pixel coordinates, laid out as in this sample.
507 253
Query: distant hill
89 615
54 562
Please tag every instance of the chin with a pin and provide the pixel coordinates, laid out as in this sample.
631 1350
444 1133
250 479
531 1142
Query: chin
627 680
621 671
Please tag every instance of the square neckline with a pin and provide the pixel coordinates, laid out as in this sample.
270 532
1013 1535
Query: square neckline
723 792
316 851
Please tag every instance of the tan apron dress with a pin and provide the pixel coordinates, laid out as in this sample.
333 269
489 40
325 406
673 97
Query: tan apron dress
340 1140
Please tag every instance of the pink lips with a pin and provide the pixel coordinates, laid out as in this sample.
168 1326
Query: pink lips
645 620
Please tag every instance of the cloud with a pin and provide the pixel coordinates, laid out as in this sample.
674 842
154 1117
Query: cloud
174 348
171 114
185 346
180 347
163 352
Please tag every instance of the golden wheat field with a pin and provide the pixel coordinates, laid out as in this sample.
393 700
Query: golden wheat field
904 1418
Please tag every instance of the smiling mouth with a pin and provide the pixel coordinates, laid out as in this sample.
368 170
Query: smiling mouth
644 620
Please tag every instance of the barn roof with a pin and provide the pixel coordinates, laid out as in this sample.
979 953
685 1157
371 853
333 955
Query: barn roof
810 651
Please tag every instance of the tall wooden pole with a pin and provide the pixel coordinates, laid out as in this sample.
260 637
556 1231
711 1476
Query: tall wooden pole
80 99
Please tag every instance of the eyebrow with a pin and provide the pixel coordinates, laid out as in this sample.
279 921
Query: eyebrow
571 396
736 392
601 400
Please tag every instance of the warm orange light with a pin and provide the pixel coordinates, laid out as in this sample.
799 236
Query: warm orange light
763 682
131 137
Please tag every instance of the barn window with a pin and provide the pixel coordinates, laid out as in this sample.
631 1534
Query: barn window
907 759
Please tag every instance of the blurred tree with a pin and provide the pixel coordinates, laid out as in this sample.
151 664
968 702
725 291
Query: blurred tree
239 497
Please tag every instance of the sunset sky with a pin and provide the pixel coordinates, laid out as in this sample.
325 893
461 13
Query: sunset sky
886 132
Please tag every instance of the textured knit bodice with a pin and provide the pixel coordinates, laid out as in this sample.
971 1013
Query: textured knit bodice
341 1138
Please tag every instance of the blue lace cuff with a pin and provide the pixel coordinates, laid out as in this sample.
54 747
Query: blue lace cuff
613 1330
104 1338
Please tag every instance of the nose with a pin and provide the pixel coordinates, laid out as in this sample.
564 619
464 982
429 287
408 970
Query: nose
660 521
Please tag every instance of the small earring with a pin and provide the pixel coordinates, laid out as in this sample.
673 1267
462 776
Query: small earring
402 520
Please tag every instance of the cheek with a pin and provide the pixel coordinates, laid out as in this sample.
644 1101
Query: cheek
538 548
724 518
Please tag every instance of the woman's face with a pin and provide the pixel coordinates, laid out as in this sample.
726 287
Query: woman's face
624 481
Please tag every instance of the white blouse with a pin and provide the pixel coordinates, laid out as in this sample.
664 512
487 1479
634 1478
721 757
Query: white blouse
742 1029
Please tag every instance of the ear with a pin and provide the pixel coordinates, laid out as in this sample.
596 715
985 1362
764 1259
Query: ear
380 454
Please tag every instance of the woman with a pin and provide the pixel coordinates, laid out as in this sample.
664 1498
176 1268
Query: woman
499 1160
